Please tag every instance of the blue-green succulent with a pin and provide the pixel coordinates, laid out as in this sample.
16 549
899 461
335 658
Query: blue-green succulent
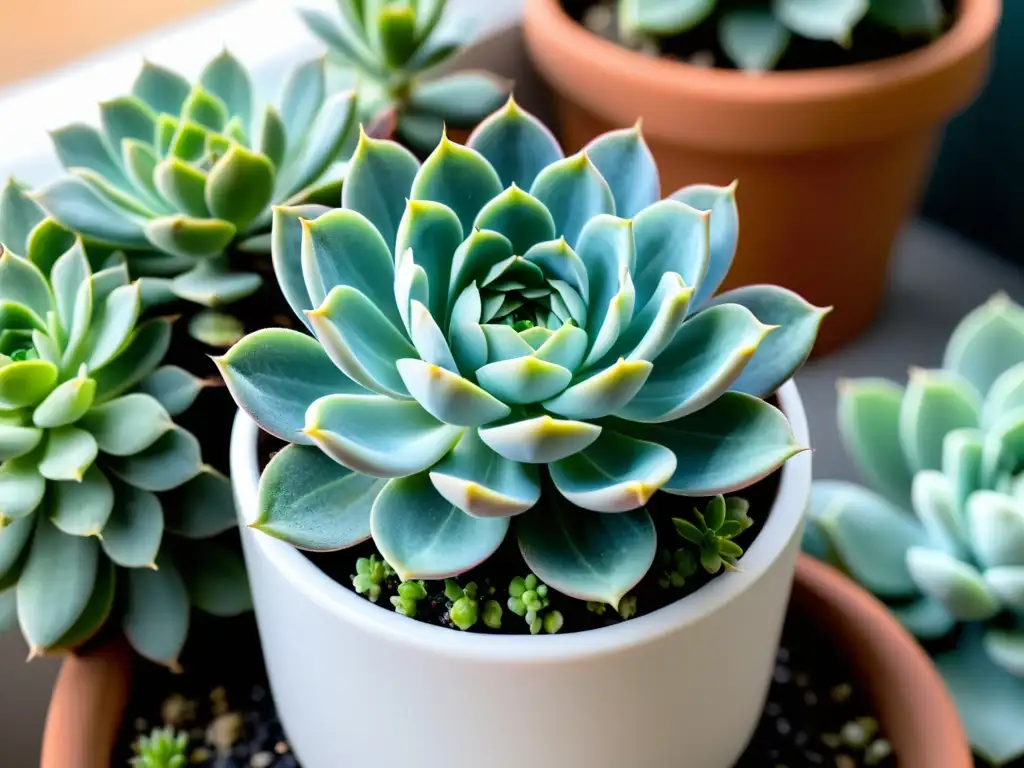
100 490
756 35
504 333
393 49
178 172
939 535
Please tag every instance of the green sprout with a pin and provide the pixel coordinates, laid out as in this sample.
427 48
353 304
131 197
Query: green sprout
676 567
597 607
163 748
713 533
529 598
409 593
371 573
627 607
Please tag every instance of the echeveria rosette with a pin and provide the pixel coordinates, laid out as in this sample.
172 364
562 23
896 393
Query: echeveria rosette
504 331
941 535
94 473
179 172
394 49
756 35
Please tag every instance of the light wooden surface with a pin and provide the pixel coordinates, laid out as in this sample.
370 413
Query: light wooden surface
41 35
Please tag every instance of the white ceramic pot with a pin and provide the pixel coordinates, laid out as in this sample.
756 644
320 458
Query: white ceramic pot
682 687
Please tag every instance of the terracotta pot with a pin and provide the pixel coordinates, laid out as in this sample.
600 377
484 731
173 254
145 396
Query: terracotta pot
87 707
830 162
915 710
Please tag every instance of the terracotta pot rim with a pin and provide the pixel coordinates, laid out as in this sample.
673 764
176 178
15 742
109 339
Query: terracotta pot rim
974 26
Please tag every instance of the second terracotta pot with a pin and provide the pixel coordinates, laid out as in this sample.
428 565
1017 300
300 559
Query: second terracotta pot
830 162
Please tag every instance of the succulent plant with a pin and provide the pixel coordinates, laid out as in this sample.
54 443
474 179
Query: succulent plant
941 536
370 576
712 533
394 47
88 450
756 35
163 748
528 598
409 594
482 352
181 172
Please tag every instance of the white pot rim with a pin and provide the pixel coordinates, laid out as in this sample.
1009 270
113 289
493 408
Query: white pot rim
783 523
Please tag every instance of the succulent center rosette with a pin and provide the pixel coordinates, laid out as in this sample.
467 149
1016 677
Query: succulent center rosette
506 332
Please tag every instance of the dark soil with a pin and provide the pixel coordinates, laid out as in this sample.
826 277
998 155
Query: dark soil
700 45
815 716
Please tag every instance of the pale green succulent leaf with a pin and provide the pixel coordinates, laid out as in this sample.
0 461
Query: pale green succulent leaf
466 337
19 215
156 612
227 79
133 532
186 236
205 109
163 90
169 462
934 500
26 383
991 713
504 343
411 284
285 254
959 586
448 397
626 163
669 237
706 355
310 501
183 185
394 34
870 536
301 100
13 550
216 580
273 137
21 491
724 231
82 507
540 440
730 444
67 454
145 349
1007 583
111 326
55 584
987 342
126 118
961 465
341 39
8 609
664 18
604 392
584 555
47 242
82 146
822 19
69 273
174 388
275 374
1006 649
574 191
211 284
520 217
128 424
321 145
19 321
188 141
561 265
607 250
418 130
869 419
996 523
424 536
66 404
516 144
215 329
934 404
342 248
1003 449
615 474
378 436
96 612
522 380
201 507
21 281
80 326
18 441
473 260
461 98
433 233
925 618
126 204
753 38
113 275
566 347
782 353
654 327
379 180
1005 395
459 178
140 162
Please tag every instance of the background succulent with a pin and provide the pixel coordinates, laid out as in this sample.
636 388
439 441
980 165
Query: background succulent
474 343
393 48
93 470
941 536
178 172
756 35
163 748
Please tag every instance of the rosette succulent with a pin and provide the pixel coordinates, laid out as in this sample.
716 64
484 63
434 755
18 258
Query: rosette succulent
180 172
504 332
393 48
756 35
94 473
941 536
